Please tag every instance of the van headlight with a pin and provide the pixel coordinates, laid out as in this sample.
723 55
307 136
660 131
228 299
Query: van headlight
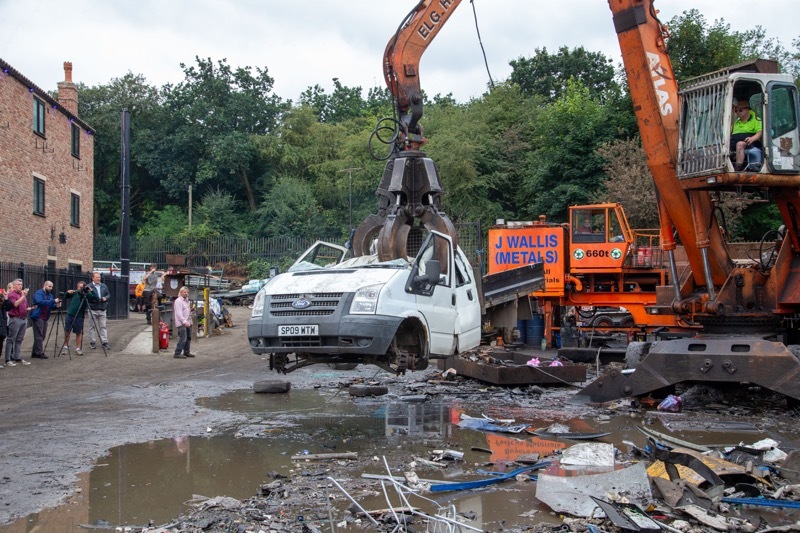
258 304
365 301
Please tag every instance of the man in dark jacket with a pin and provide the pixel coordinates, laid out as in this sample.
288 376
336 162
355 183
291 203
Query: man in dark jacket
43 303
97 308
77 303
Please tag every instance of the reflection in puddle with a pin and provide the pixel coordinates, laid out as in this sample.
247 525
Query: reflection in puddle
139 483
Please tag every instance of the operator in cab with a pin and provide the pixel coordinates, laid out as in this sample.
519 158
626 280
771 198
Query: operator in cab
745 134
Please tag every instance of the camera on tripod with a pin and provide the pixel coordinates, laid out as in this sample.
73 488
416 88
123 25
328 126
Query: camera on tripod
86 289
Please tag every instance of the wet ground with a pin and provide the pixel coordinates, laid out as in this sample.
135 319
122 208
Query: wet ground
128 439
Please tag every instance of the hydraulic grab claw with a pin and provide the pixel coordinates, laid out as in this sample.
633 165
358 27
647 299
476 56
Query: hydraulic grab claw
409 191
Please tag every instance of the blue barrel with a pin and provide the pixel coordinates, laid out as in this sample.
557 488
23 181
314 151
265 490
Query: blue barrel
534 330
523 334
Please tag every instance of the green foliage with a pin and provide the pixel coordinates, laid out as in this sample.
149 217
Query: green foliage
344 103
169 221
101 107
564 167
547 75
629 182
560 131
209 126
757 219
220 213
258 269
290 208
696 48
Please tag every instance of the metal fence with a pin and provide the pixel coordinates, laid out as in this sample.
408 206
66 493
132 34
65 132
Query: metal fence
205 251
211 251
63 279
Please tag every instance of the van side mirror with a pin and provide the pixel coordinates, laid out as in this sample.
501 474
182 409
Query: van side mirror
433 272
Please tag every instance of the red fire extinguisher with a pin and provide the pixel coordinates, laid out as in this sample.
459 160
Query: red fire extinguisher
163 335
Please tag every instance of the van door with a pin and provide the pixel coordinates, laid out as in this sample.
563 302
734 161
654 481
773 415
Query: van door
468 307
435 298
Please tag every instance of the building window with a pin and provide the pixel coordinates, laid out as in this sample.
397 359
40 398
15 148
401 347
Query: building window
38 196
38 117
75 210
76 140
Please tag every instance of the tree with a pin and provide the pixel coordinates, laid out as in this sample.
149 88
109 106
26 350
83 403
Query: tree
290 208
629 182
210 124
101 107
220 213
343 104
547 75
697 48
564 167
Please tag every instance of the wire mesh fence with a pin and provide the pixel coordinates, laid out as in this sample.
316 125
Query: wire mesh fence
210 251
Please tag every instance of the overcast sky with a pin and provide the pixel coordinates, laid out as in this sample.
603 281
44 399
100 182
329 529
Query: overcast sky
303 43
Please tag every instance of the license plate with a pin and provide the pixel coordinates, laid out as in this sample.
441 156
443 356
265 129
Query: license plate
298 331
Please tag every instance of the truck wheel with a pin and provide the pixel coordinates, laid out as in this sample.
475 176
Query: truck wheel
271 386
603 324
635 352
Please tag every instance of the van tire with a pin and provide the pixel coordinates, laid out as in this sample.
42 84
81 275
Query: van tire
360 391
270 386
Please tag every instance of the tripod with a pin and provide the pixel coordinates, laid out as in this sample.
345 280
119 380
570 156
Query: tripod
57 325
80 312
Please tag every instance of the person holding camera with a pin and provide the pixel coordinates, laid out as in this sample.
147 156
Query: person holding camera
97 307
151 280
76 310
43 303
17 323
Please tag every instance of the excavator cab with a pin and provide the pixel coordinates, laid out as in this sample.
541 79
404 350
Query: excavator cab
706 149
600 238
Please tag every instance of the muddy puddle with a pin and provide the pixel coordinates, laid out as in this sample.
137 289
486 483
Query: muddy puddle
150 482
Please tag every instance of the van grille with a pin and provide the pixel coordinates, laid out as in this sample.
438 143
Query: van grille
322 304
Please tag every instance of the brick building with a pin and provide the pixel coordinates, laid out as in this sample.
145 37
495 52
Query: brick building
46 174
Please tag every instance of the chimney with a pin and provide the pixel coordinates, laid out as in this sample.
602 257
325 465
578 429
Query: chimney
67 91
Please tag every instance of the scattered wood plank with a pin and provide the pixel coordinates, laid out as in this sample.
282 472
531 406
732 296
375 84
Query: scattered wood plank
324 456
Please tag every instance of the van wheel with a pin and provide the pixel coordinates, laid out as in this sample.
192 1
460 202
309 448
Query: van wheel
360 391
270 386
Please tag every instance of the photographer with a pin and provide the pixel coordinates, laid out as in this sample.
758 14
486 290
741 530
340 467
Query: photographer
43 303
77 302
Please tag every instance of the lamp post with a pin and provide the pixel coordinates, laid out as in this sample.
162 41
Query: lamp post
350 171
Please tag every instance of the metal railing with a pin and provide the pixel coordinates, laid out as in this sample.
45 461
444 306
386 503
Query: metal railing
63 279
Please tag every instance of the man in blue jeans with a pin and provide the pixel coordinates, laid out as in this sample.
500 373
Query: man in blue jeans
43 303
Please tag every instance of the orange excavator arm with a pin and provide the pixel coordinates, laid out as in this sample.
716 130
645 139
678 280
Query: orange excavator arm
401 64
